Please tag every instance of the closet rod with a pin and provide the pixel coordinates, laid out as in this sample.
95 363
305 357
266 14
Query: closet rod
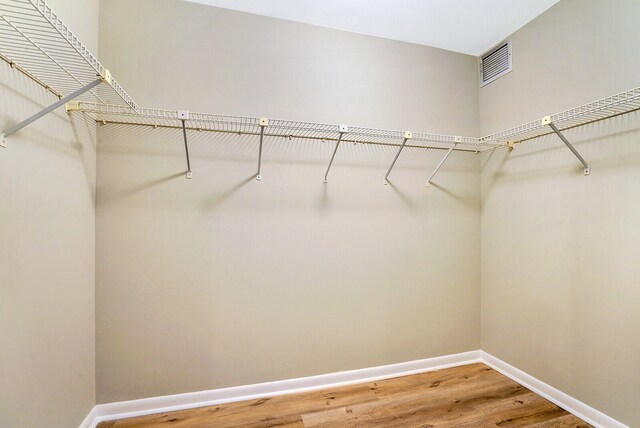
15 66
289 136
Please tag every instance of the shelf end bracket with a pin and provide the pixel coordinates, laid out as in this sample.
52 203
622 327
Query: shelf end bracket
263 122
7 132
547 121
72 106
341 129
457 140
408 135
106 76
183 115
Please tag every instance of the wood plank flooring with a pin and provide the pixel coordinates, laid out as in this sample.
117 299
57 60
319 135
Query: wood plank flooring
469 396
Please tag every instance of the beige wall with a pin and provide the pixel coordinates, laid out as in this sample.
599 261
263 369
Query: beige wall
559 250
47 251
222 280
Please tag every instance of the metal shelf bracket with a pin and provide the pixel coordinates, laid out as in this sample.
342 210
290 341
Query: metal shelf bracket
264 122
7 132
342 129
408 135
183 115
457 140
547 121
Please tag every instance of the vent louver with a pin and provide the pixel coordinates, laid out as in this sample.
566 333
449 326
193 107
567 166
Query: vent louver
495 63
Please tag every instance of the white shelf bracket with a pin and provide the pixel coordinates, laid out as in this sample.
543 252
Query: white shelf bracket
342 129
106 76
183 115
72 106
7 132
264 122
547 121
457 140
408 135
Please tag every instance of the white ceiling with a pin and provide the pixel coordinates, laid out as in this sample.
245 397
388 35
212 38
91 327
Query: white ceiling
467 26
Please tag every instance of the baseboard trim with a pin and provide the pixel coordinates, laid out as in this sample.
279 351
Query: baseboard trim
168 403
146 406
91 420
570 404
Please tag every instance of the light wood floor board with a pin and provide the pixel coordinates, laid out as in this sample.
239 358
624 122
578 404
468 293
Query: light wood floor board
471 396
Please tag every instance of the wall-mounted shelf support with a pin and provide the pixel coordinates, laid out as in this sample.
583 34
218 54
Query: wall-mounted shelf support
264 122
184 115
7 132
444 159
407 136
547 121
342 130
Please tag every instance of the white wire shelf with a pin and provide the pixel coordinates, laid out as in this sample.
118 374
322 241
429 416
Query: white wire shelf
605 108
35 41
118 114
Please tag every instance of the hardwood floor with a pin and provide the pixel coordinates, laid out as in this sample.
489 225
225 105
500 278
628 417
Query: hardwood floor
470 396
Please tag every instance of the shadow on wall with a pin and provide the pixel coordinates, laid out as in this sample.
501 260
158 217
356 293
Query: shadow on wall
58 133
547 156
149 184
403 197
460 198
125 138
225 163
491 169
221 197
30 98
84 129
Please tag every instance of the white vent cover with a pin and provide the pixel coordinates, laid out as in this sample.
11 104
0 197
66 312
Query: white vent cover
495 63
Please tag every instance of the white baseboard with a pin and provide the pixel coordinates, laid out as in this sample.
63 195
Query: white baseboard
146 406
570 404
91 420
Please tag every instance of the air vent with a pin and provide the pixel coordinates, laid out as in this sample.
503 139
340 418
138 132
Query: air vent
495 63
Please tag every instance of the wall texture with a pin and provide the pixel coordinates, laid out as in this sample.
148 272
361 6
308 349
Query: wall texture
223 280
559 250
47 251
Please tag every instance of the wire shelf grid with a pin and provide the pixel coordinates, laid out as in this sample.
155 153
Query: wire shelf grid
605 108
117 114
36 41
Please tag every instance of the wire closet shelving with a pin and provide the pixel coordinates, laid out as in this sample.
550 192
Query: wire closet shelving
34 41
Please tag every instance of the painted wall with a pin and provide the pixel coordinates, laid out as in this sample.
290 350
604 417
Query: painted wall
47 251
223 280
560 265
